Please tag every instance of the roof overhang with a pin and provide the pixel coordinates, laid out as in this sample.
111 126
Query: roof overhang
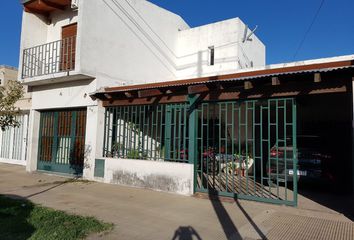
266 79
45 7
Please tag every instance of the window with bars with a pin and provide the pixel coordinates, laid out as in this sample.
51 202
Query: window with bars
147 132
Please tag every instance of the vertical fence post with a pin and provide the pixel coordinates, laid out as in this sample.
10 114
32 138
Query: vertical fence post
168 120
192 148
192 143
295 161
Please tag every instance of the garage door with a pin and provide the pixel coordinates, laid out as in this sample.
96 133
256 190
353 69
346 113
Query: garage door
62 141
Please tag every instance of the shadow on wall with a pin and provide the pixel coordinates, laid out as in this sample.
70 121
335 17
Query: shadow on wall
87 153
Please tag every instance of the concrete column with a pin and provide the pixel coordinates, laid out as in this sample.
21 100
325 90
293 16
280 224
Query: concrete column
93 139
25 139
33 136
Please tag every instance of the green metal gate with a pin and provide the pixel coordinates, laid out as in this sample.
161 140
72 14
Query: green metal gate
62 141
247 150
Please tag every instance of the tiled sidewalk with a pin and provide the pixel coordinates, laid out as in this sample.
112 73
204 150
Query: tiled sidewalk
144 214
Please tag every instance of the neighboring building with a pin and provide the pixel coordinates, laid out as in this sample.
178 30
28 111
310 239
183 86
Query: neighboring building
125 92
13 141
7 73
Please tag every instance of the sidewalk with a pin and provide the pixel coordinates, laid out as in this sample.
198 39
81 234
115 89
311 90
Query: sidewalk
144 214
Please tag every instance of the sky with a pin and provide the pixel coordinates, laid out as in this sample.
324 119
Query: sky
282 25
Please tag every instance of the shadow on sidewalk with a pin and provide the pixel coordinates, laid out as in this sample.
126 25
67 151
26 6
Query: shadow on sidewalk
46 190
254 225
229 228
186 233
224 218
55 185
337 201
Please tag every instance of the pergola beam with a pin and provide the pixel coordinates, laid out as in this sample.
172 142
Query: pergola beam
128 94
108 96
248 85
275 81
149 93
317 78
200 88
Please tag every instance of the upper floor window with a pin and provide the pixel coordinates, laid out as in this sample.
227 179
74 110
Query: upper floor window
211 55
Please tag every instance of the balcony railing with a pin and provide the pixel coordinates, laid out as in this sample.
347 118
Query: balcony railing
49 58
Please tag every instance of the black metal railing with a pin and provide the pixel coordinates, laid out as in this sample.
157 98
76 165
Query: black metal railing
49 58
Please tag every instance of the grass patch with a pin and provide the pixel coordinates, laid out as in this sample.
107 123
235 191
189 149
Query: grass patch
21 219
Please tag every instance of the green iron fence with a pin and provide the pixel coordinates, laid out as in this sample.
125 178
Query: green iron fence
147 132
247 149
242 149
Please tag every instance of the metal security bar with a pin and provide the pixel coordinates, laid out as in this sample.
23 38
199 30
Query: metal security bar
147 132
13 141
62 141
53 57
247 149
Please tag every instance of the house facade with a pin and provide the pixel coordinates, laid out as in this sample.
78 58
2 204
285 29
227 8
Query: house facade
126 92
70 49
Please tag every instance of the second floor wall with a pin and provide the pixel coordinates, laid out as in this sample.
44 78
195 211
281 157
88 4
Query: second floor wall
42 43
130 42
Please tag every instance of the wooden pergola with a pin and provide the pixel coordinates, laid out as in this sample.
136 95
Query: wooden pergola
322 78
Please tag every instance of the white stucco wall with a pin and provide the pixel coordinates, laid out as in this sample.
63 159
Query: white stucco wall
251 50
226 38
34 32
142 43
33 141
130 43
161 176
60 19
93 139
63 95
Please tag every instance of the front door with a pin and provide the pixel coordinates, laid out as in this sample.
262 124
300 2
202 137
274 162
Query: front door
62 141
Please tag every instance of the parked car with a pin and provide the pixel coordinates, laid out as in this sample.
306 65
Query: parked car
313 161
